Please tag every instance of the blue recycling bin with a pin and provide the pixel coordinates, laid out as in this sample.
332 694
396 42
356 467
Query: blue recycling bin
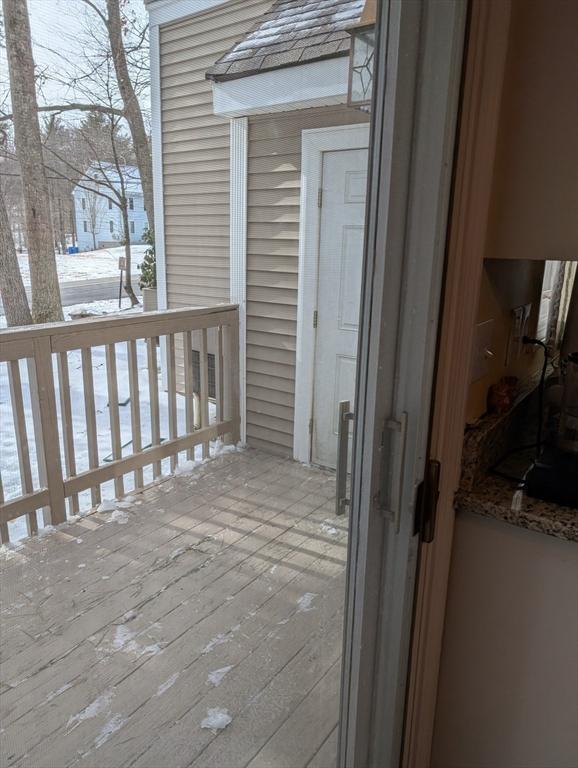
73 249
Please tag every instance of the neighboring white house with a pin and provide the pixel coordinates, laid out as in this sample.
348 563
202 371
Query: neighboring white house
98 218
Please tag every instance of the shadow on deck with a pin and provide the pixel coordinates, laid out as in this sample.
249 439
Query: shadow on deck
222 589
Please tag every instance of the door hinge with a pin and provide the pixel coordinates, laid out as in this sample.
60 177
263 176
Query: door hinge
310 426
427 502
320 197
315 318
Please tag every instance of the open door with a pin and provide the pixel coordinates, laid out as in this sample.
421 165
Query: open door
415 110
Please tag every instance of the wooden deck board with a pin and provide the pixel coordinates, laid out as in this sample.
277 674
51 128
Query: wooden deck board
110 631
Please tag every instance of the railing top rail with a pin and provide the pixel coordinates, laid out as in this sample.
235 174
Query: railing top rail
117 321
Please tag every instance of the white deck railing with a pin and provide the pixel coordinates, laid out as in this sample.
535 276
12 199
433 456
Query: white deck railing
42 408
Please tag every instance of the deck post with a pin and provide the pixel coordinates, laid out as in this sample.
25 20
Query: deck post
234 389
50 439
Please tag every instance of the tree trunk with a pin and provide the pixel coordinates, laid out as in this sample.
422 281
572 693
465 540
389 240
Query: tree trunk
46 303
128 272
12 289
132 108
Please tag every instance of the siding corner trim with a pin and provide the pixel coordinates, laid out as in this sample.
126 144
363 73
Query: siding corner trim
238 249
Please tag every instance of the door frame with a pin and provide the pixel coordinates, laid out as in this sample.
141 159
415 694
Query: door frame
483 78
314 143
415 111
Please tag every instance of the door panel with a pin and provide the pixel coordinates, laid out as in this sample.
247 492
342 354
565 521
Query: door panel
339 289
414 115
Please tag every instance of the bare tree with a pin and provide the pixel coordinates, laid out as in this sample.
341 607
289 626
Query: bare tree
94 214
123 205
12 289
46 302
12 192
132 110
106 180
115 24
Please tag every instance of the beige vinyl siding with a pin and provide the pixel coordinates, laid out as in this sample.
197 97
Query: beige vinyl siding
274 173
195 145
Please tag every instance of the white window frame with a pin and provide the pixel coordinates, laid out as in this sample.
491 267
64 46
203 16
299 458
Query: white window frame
314 143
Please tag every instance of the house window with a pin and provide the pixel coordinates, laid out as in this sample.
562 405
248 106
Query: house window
132 227
547 301
83 203
111 226
110 205
85 226
131 203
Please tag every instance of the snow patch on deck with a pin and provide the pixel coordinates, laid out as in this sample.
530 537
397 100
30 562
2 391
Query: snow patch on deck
124 640
216 677
305 602
119 516
94 709
217 718
164 687
112 726
326 527
53 694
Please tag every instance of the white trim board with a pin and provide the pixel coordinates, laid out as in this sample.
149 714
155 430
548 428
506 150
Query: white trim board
238 249
157 161
314 143
318 84
166 11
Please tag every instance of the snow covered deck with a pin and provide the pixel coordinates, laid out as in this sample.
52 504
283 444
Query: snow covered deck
217 590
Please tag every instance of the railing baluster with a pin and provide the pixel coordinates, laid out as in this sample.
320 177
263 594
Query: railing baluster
67 429
189 388
134 407
4 533
49 424
204 386
172 394
112 386
21 439
154 399
90 412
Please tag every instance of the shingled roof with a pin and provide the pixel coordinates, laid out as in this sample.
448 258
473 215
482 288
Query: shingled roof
292 32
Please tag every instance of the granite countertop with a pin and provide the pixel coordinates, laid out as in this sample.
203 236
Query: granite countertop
496 497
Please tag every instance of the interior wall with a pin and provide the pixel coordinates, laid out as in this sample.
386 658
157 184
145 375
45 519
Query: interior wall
535 187
508 687
506 284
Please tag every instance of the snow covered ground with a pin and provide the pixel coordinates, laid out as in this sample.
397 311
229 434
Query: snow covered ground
8 448
89 265
104 307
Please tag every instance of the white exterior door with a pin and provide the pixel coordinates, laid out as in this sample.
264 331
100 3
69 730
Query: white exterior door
344 181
